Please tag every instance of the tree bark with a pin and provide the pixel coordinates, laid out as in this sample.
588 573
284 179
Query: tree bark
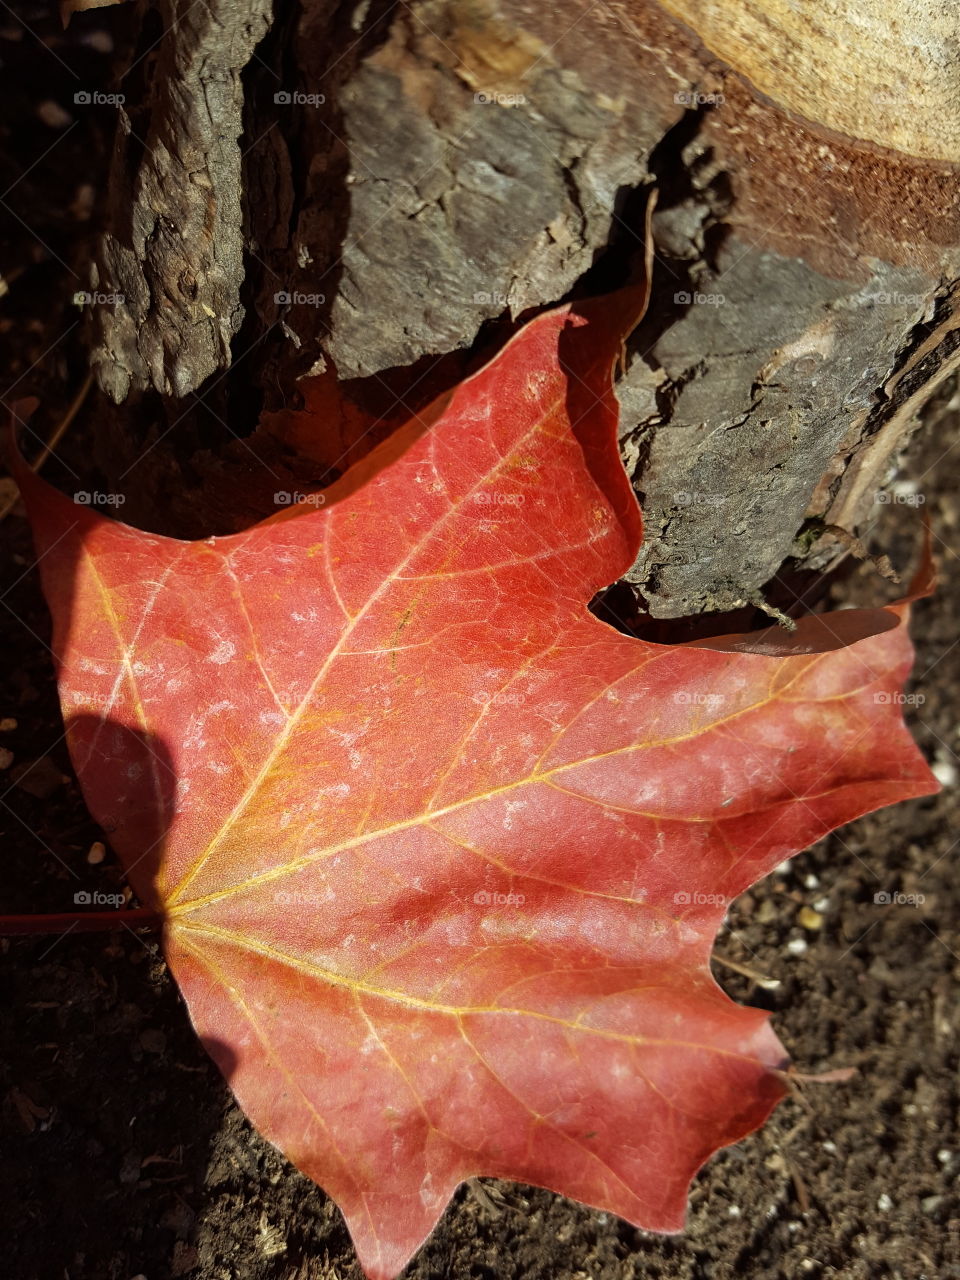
360 185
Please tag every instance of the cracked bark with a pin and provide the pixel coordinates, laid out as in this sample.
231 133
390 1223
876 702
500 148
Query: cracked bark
363 185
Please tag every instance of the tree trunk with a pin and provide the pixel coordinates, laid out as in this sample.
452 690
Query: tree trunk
361 186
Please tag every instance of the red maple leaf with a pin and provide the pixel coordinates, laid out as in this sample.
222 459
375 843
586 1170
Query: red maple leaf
441 856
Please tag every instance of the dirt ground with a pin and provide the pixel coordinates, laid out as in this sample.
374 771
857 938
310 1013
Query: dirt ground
122 1154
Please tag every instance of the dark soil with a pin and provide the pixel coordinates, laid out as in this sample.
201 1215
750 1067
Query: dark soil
123 1155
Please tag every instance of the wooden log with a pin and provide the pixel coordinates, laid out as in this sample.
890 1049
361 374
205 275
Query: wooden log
363 186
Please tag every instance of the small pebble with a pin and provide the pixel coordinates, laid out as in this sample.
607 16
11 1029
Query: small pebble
945 772
130 1169
6 758
810 919
733 1211
184 1260
81 207
930 1204
881 971
153 1040
811 881
821 904
944 1156
53 115
829 1146
101 41
7 724
797 946
884 1203
98 851
40 778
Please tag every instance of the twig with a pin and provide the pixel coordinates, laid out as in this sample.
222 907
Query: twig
80 921
768 984
799 1186
480 1193
758 601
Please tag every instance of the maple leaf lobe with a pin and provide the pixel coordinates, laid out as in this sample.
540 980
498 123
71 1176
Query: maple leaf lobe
441 855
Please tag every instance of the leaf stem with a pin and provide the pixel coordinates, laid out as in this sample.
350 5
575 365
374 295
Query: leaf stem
80 922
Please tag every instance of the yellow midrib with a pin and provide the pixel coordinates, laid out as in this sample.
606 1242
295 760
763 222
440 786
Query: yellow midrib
359 987
427 817
284 737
